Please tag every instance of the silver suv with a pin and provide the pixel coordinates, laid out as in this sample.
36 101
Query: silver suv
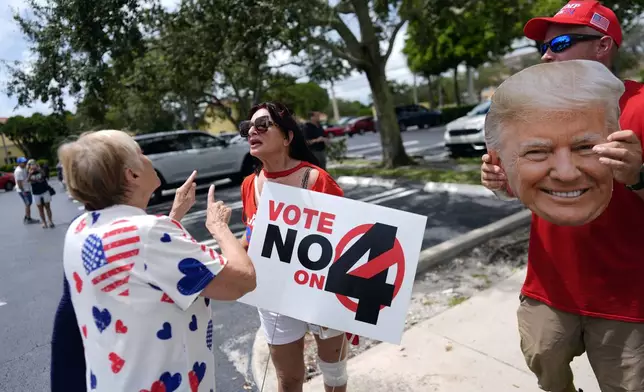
176 154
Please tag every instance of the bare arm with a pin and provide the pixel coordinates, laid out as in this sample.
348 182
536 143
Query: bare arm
238 277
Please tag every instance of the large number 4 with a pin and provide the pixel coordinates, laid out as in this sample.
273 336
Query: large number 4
374 292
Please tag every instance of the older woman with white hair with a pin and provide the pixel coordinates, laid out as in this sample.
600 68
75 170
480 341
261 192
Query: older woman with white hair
140 284
542 126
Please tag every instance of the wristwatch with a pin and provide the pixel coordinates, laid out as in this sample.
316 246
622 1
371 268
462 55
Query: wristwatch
640 184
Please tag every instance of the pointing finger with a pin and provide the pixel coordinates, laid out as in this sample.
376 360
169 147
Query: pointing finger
211 194
191 179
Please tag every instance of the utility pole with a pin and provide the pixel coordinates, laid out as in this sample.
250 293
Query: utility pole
334 102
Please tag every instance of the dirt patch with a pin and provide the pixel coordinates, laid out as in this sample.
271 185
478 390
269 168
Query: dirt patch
449 285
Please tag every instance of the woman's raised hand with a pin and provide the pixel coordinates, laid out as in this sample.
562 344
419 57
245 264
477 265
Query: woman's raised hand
217 214
185 198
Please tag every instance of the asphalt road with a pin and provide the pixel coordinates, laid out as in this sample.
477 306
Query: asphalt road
418 142
31 275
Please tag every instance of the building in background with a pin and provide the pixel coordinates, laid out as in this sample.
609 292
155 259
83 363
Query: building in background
9 152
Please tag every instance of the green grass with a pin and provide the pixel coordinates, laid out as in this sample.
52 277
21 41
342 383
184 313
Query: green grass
469 161
415 173
454 301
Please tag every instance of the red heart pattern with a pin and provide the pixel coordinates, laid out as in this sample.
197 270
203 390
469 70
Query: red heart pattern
120 327
158 386
194 381
84 329
79 282
117 362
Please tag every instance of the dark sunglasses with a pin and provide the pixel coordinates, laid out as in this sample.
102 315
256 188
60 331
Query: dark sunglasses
562 42
261 125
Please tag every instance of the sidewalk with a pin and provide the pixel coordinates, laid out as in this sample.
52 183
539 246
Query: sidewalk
470 348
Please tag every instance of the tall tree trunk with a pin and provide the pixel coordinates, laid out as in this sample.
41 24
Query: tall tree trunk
471 94
190 114
430 89
457 93
393 151
441 94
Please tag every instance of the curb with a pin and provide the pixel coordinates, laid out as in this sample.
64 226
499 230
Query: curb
429 258
429 187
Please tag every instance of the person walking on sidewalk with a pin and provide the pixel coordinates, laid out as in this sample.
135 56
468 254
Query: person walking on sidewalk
276 140
24 188
41 192
315 138
583 291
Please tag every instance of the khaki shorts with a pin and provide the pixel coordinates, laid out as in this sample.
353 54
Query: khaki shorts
550 339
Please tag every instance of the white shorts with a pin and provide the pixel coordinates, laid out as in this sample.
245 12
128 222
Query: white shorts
280 329
45 198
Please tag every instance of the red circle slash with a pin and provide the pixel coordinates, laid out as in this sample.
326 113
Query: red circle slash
394 256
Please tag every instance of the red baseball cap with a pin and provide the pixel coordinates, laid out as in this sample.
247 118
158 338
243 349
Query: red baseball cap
578 12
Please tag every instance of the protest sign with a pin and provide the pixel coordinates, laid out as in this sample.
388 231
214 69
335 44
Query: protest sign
334 262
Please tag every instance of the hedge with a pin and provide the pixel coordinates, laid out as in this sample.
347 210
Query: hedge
454 112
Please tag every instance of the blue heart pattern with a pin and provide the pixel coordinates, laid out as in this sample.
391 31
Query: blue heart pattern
95 216
170 381
165 333
197 276
193 323
200 370
102 318
92 380
166 238
209 335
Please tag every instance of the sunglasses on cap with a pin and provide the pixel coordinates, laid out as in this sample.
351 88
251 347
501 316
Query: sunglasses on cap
261 124
562 42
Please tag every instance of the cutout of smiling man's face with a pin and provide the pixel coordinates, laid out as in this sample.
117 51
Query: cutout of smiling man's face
552 168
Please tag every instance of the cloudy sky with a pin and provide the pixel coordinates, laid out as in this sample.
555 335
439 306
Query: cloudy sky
13 46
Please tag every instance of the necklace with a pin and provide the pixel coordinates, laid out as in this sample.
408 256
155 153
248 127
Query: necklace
283 173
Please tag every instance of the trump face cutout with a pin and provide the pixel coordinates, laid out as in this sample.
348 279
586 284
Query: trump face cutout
542 128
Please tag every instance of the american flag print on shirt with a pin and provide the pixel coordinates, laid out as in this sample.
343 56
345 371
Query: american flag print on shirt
108 259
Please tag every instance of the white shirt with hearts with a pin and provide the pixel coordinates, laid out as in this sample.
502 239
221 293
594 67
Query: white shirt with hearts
135 281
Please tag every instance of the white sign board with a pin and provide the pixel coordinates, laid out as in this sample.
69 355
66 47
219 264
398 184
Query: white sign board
334 262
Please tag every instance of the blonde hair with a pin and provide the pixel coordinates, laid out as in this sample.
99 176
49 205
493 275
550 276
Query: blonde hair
94 167
553 90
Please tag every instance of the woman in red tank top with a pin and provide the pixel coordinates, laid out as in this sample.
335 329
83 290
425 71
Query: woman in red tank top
282 156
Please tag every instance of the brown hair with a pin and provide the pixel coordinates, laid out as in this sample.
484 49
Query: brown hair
94 167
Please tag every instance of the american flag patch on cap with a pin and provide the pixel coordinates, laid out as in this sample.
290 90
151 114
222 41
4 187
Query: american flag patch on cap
600 21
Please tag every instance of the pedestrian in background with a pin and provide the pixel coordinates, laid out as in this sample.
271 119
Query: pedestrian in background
41 192
314 134
61 178
583 291
24 188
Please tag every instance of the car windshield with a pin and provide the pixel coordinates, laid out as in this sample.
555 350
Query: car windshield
480 109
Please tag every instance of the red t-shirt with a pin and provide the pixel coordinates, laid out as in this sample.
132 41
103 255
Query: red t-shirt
324 184
596 269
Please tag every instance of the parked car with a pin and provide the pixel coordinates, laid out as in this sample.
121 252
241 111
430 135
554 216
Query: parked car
360 125
417 116
7 181
227 135
465 135
335 130
176 154
238 139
